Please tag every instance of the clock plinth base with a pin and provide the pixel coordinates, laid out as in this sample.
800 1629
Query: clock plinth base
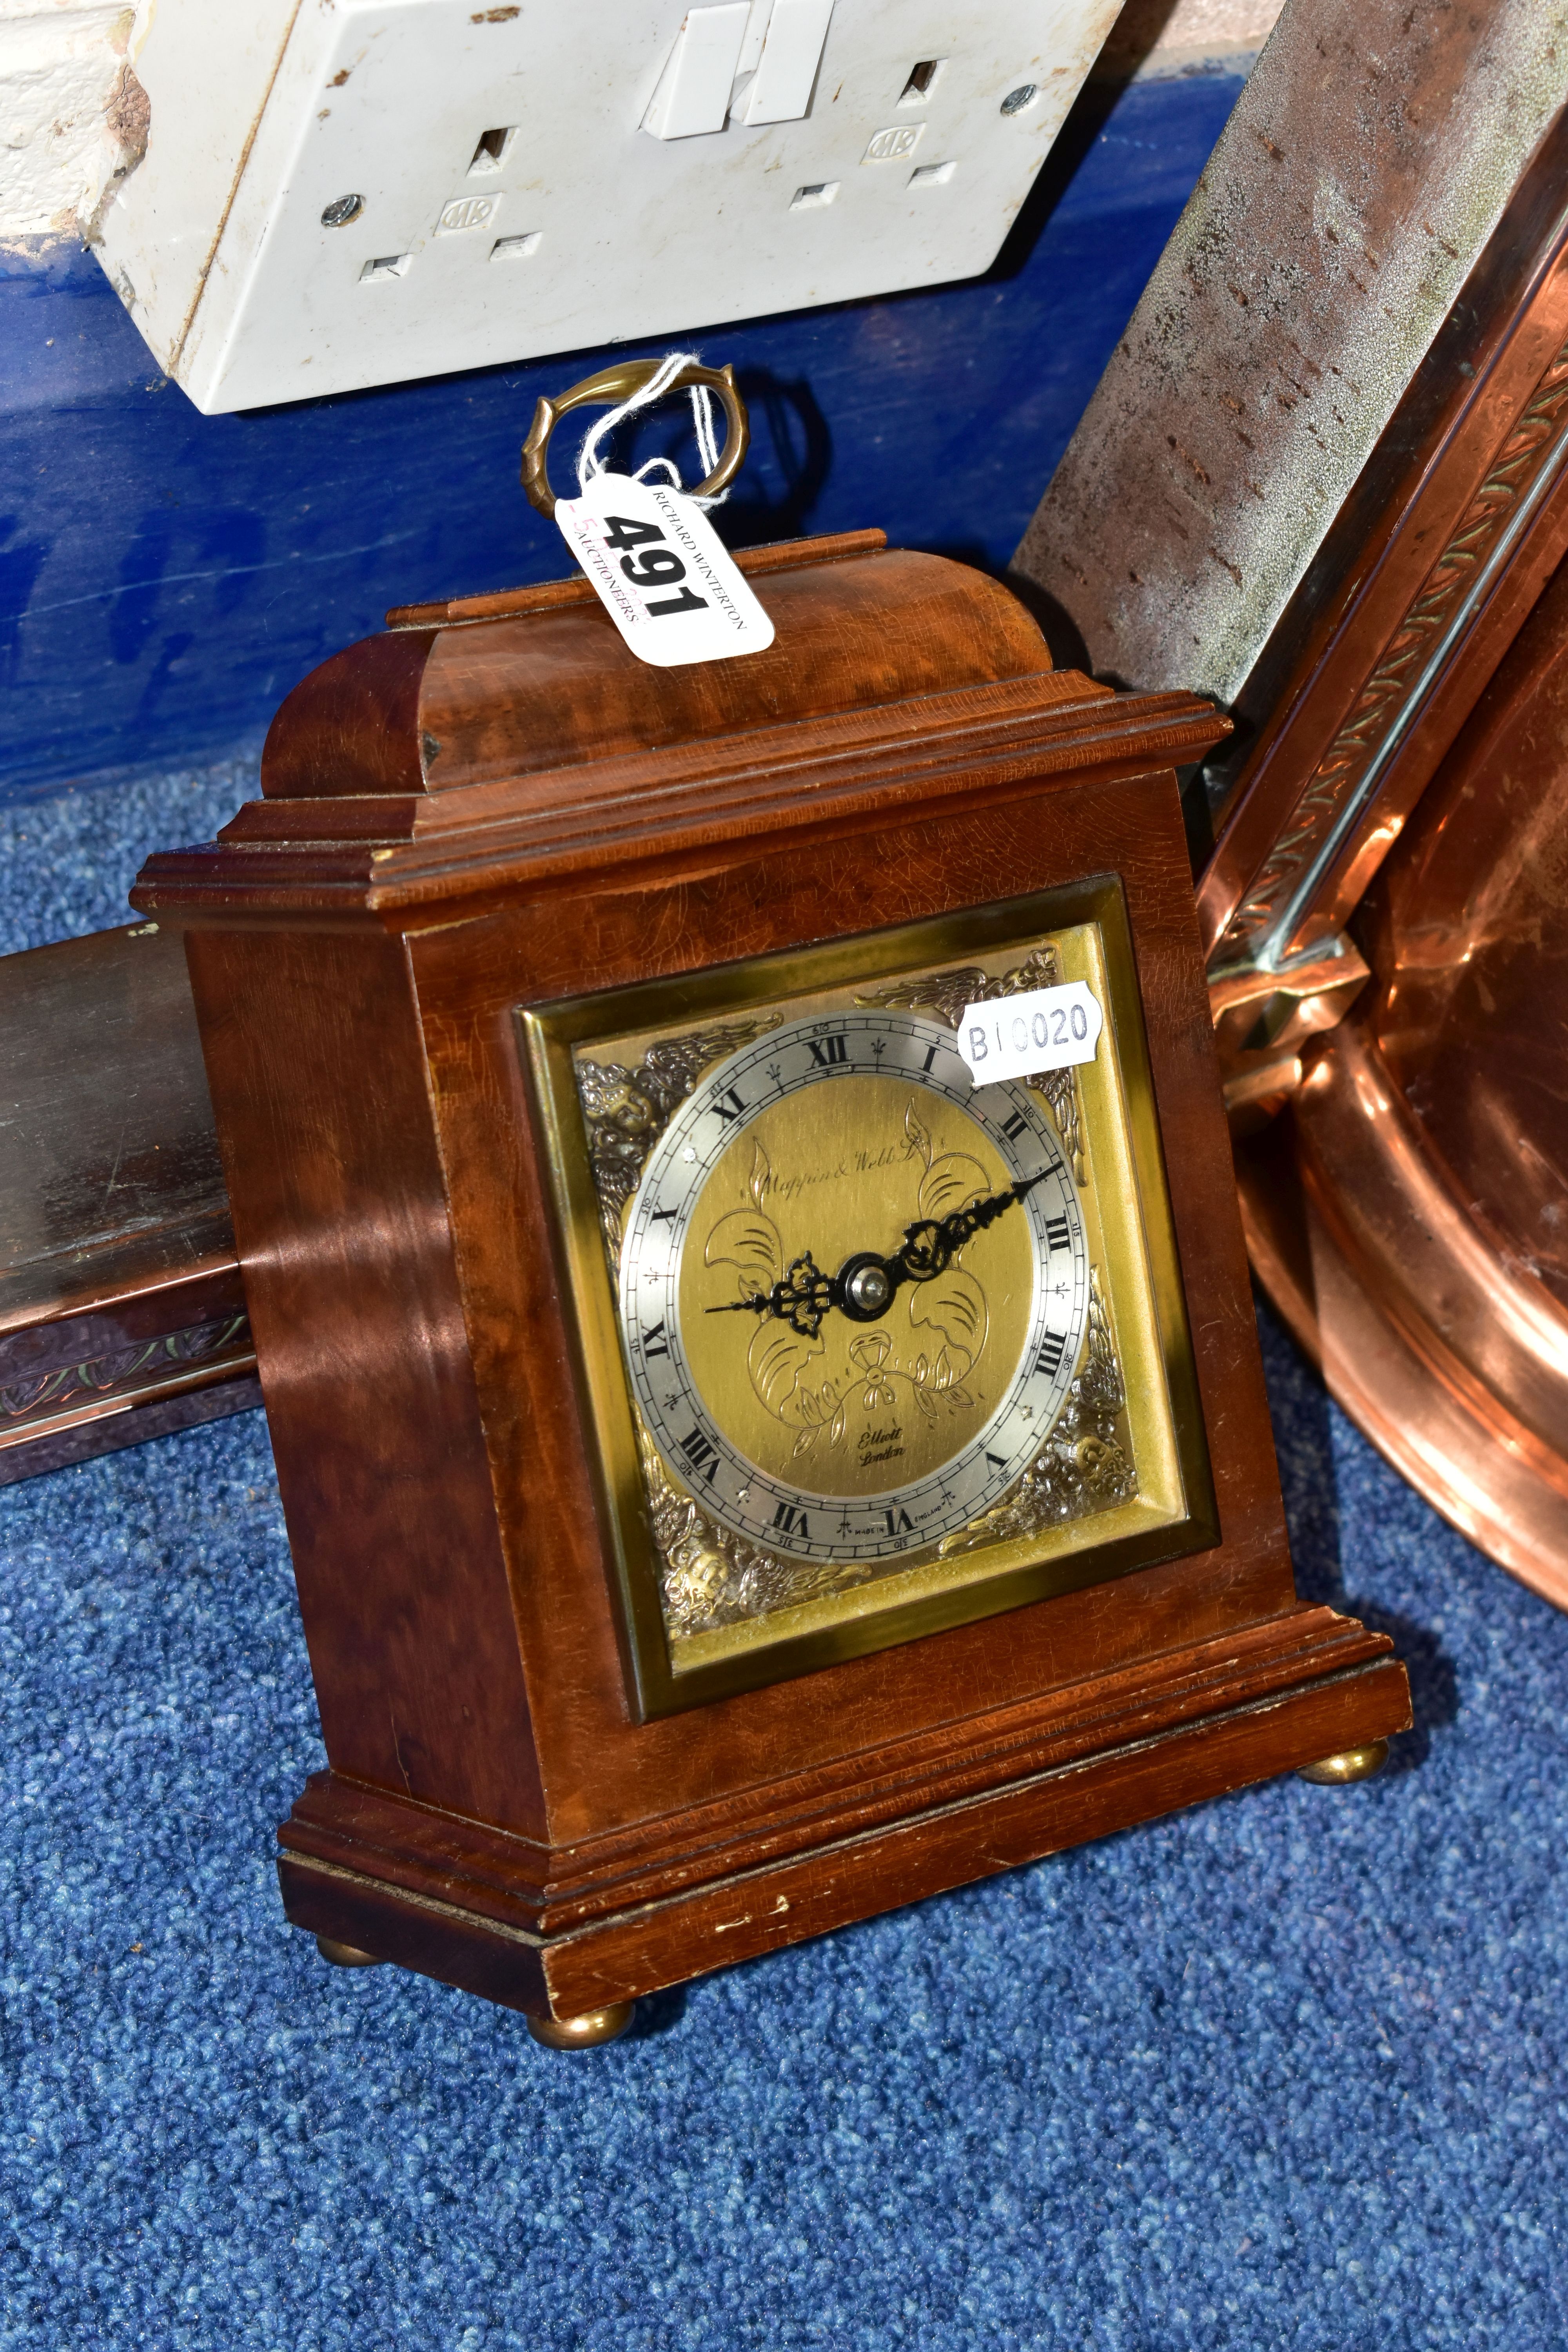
587 2032
1351 1765
569 1934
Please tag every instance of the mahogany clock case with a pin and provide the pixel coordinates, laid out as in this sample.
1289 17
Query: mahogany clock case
496 807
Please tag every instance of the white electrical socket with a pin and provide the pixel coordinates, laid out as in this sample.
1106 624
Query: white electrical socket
342 193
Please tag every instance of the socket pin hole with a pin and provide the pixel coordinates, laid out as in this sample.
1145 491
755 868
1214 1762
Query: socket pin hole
517 248
921 76
1018 101
341 210
821 192
387 264
493 147
932 175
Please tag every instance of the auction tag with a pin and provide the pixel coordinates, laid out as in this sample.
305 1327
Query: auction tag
1020 1036
662 573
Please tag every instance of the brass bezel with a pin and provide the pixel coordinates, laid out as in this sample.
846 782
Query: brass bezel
551 1032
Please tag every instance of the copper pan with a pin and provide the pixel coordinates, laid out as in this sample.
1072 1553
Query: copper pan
1409 1212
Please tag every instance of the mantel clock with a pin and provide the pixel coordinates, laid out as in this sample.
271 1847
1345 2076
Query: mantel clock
744 1470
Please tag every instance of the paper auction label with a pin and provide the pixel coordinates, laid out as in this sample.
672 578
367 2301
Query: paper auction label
662 573
1020 1036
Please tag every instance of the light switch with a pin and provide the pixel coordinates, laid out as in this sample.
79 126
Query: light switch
780 90
694 93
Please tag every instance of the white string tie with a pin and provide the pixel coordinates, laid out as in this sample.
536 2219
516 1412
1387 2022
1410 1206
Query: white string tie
589 463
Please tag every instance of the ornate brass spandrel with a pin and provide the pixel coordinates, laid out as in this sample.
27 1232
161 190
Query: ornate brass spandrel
710 1577
945 994
626 1110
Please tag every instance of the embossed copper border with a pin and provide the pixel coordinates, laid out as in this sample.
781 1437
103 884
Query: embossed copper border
1396 640
38 1404
1296 899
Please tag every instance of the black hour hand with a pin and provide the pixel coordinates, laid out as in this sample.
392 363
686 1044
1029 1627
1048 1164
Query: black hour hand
800 1298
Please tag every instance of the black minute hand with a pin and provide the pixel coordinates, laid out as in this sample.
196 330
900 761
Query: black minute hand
864 1286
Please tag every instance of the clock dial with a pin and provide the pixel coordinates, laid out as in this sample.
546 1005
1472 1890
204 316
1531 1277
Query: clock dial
853 1289
874 1350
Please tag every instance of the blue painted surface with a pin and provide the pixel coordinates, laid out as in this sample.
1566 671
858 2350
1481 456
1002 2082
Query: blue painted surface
165 577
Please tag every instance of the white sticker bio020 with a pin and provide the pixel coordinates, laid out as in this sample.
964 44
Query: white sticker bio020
662 573
1020 1036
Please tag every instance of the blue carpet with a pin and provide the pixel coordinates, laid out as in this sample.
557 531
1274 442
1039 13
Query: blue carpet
1284 2071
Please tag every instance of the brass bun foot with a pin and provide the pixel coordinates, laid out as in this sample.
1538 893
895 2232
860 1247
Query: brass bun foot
1355 1764
345 1955
584 2032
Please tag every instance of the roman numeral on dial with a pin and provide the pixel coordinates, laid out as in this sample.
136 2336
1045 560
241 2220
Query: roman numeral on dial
729 1104
701 1453
900 1523
1050 1356
1015 1127
655 1342
791 1521
1057 1234
828 1052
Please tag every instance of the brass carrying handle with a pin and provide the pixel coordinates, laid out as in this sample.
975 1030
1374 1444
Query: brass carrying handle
607 389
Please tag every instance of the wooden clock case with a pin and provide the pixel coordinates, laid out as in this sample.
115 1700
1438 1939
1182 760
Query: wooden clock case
494 805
